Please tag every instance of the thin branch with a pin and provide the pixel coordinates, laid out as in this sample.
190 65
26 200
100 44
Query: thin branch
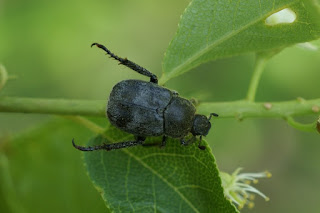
53 106
255 79
261 61
232 109
311 127
245 109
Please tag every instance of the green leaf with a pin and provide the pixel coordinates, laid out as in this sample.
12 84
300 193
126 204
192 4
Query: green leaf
313 6
153 179
40 171
212 29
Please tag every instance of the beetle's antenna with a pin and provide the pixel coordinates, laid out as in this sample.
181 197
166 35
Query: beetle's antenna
108 147
130 64
213 114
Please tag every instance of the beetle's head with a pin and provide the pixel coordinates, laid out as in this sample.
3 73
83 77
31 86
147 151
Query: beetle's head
201 124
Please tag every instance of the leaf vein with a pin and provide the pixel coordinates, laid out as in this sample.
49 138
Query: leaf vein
174 188
126 182
154 195
195 187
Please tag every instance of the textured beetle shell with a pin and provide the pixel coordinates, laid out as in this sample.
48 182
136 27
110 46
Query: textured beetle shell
138 107
179 117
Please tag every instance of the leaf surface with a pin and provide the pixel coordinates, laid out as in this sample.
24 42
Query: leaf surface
212 29
153 179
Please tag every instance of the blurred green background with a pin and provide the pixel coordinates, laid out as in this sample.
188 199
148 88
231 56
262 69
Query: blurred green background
46 44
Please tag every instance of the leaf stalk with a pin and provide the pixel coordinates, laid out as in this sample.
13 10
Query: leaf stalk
260 63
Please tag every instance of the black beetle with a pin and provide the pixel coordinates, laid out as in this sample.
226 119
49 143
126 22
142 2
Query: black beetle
147 109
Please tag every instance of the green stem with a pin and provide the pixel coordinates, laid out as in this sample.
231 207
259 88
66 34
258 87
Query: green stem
261 61
238 109
258 70
53 106
245 109
303 127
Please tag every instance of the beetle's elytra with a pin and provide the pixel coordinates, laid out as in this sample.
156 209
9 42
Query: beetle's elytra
146 109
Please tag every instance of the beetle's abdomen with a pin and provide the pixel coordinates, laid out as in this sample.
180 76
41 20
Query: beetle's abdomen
179 116
137 107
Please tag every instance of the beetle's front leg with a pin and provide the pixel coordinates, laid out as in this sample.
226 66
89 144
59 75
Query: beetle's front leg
201 146
164 141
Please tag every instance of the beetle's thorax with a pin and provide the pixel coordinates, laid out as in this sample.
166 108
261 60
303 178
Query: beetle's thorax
178 117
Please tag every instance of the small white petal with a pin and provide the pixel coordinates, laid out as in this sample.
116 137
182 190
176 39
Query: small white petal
238 189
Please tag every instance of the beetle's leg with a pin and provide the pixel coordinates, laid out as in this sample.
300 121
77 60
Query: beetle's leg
111 146
130 64
188 142
164 141
199 145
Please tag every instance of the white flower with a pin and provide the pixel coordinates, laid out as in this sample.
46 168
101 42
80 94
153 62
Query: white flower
238 189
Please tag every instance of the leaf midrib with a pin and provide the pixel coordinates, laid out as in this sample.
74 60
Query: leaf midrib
175 189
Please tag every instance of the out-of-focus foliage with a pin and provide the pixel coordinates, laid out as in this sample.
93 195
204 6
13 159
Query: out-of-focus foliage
43 173
46 44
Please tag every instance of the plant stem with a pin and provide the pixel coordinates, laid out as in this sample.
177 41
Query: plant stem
53 106
238 109
303 127
261 61
245 109
257 72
